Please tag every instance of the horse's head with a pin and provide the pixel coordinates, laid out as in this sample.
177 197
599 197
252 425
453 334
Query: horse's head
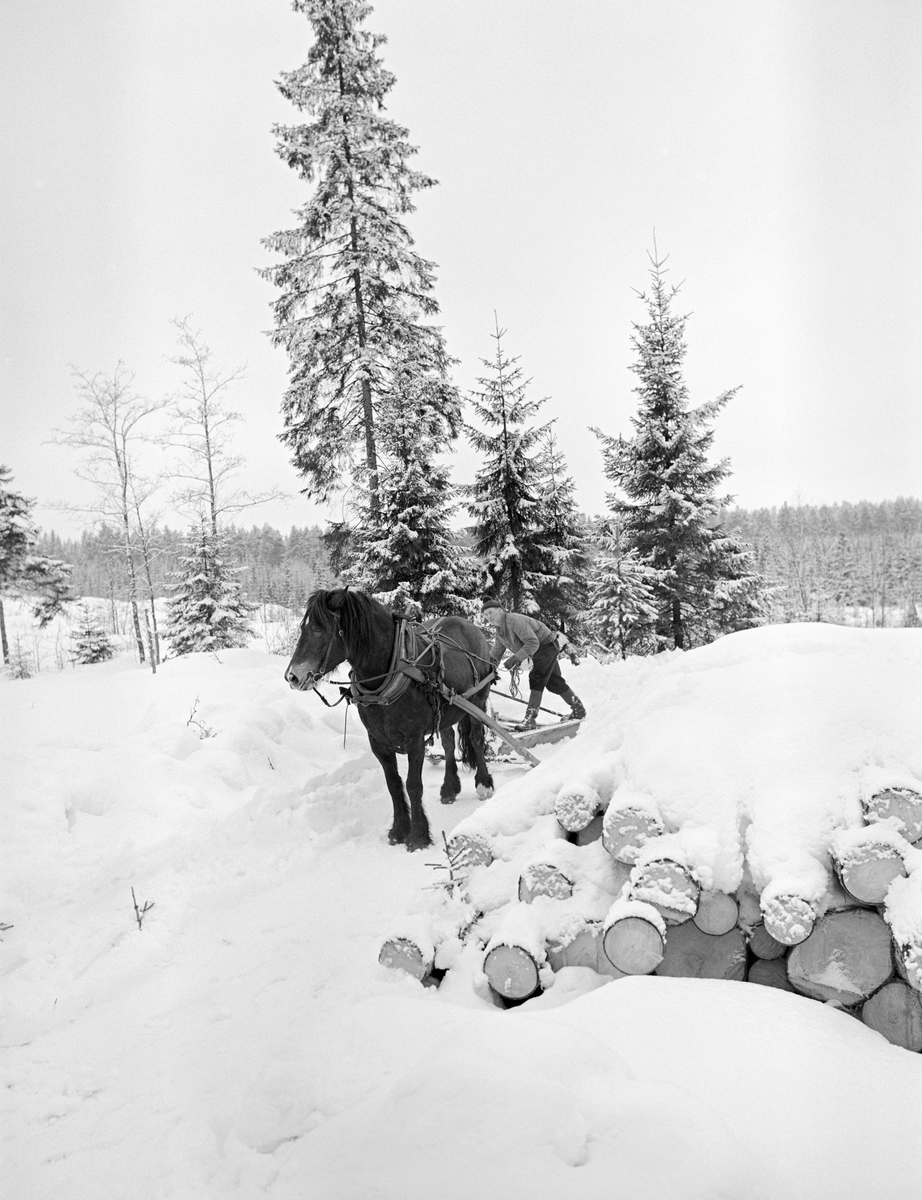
320 645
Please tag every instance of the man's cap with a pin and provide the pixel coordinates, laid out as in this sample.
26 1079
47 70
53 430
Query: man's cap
490 602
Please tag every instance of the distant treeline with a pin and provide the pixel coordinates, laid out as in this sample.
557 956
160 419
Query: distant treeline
273 568
859 563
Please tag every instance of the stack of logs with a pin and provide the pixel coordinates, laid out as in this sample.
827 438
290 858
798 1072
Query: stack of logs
842 949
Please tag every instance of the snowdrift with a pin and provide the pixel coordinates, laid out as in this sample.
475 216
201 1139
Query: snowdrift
245 1041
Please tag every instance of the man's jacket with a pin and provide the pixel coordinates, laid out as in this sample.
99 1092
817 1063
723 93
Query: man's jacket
521 635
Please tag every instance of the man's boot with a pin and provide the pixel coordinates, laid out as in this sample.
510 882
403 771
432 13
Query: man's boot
577 711
531 718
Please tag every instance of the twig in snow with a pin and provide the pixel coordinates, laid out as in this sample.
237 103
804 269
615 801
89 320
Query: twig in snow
203 729
139 912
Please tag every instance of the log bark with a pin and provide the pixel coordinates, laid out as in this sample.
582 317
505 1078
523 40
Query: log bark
626 828
845 959
634 945
693 954
404 954
669 887
512 972
763 945
584 950
896 1012
903 804
789 919
591 833
771 972
867 871
717 913
543 879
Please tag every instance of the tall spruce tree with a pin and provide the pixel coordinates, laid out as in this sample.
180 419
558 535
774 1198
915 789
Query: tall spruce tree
354 293
561 542
206 610
666 499
505 497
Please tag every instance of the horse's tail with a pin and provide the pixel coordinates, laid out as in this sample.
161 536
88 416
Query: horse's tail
465 729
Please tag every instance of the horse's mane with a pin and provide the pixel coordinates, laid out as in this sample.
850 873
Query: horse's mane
352 613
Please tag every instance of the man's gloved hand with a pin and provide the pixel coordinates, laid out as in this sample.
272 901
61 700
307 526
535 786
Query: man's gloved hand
511 663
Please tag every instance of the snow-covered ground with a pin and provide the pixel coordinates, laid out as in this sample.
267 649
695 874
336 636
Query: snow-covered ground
245 1042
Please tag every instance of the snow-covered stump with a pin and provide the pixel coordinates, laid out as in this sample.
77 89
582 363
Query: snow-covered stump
634 937
693 954
541 878
789 918
628 826
584 949
895 1011
717 913
405 954
900 807
845 959
867 861
669 886
770 972
763 945
576 806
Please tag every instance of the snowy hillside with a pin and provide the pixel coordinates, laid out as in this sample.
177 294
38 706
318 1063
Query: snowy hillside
245 1042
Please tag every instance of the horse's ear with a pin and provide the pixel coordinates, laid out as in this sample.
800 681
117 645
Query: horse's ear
336 600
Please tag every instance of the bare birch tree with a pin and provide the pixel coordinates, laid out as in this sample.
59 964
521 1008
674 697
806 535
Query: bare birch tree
110 430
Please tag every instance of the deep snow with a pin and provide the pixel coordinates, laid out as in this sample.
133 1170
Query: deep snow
246 1042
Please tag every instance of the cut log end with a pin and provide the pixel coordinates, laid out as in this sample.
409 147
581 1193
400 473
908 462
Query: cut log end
896 1012
868 872
717 913
512 972
543 879
770 972
789 919
404 955
466 851
634 945
669 887
763 945
626 829
846 958
901 805
693 954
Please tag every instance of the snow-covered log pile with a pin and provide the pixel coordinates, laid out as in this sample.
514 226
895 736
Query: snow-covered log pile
748 810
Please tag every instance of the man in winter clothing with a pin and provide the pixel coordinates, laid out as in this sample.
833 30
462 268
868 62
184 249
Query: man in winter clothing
527 637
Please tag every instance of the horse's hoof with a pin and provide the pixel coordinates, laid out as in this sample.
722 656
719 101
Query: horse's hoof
395 838
418 844
484 793
448 797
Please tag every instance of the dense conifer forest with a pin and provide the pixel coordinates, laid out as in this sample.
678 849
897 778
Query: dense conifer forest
853 563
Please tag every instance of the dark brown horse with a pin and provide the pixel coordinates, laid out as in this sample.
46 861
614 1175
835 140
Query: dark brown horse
402 678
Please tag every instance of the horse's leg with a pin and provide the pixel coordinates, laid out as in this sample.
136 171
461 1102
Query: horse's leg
478 742
400 829
451 784
418 836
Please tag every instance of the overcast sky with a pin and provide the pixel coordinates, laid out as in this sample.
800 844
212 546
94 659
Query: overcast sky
775 148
